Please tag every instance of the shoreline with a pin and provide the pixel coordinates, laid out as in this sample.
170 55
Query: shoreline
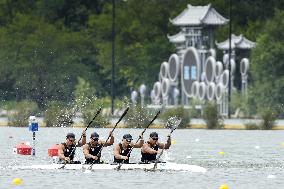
229 124
157 126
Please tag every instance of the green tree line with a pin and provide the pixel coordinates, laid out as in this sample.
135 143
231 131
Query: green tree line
45 46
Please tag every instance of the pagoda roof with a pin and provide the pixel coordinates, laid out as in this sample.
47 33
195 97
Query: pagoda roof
177 38
199 15
237 42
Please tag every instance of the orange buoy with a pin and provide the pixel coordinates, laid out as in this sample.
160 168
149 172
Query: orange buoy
23 149
53 150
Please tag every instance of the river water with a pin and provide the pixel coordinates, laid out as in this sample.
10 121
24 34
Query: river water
242 159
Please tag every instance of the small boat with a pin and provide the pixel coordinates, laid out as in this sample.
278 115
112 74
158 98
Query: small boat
132 166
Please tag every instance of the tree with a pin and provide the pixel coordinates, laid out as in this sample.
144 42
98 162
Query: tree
45 62
267 65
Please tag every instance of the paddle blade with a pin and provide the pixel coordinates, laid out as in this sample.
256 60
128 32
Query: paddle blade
173 123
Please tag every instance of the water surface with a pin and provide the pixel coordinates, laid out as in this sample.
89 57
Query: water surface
251 160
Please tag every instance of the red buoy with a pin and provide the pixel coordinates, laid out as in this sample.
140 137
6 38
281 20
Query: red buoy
53 150
23 149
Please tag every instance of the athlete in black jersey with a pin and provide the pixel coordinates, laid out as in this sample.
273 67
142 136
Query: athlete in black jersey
92 148
66 150
152 147
121 150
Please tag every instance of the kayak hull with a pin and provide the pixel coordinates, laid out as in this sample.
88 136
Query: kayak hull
160 166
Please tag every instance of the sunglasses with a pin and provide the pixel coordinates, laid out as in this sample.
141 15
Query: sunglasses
71 140
155 138
128 140
95 139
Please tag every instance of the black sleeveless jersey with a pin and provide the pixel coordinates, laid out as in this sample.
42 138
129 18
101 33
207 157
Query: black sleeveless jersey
94 150
123 152
146 157
69 151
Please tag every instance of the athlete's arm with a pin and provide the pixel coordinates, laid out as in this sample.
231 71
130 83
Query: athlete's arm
140 143
116 153
146 149
61 152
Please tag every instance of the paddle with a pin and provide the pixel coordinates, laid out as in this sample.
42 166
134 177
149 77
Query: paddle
82 136
119 166
172 124
124 113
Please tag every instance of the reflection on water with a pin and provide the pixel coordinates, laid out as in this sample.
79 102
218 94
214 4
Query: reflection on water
251 159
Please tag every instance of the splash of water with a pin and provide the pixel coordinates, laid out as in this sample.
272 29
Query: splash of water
173 122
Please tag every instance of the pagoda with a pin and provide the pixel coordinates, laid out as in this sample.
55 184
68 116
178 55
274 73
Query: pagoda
237 42
197 24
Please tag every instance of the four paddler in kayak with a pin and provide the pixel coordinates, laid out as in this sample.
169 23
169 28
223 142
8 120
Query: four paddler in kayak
149 149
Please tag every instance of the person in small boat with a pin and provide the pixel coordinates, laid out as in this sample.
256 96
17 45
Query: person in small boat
66 150
152 147
92 148
122 149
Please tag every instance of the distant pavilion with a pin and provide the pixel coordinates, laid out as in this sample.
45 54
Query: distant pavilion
197 24
237 42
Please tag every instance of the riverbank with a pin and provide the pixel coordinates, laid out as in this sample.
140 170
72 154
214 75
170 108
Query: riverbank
233 124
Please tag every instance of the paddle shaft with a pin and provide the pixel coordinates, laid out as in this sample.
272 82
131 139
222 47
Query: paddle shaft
158 158
124 113
82 135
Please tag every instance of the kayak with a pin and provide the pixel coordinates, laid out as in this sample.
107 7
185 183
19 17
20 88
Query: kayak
132 166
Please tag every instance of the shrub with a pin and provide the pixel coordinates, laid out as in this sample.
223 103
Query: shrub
90 109
268 117
88 114
252 126
8 105
179 112
236 100
21 112
195 112
210 116
83 93
248 106
88 103
58 114
138 117
121 104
